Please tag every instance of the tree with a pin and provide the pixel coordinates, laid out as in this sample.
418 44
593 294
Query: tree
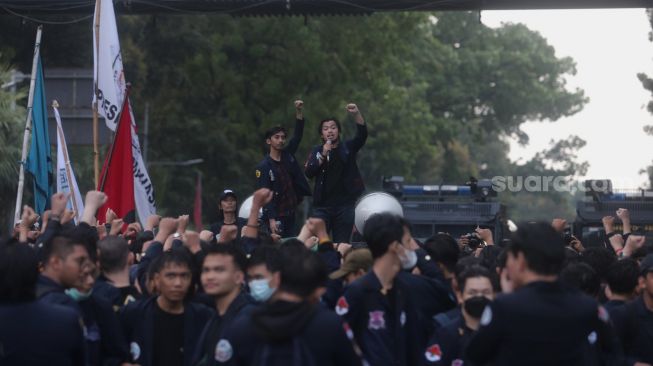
441 92
11 120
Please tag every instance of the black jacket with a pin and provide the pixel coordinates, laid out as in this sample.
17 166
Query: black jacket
351 176
40 334
137 321
542 323
307 334
264 177
214 330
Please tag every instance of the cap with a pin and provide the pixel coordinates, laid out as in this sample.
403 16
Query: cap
226 193
355 260
646 265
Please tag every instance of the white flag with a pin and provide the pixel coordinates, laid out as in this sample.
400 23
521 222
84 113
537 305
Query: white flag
108 73
110 81
66 181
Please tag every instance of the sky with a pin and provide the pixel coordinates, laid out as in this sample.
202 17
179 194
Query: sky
609 46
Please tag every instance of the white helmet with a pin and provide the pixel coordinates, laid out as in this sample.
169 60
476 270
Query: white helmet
246 207
373 203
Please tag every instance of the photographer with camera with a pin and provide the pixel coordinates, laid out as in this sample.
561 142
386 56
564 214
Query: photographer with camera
474 242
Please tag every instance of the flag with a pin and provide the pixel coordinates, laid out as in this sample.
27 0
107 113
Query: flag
197 209
107 64
66 181
117 179
39 160
110 89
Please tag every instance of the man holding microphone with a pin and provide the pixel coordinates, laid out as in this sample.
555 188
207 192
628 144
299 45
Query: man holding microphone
338 182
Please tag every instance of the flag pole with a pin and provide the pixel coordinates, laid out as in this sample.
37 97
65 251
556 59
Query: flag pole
28 126
96 154
61 141
105 168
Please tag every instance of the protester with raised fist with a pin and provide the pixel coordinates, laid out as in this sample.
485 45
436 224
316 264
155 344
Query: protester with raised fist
338 181
280 172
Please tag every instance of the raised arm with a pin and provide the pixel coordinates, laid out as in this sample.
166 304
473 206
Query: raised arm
358 141
293 145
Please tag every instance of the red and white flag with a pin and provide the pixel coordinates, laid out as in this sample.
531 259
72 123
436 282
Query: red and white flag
110 95
117 179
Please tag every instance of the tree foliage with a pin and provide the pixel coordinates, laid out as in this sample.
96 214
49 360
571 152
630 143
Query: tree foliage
442 94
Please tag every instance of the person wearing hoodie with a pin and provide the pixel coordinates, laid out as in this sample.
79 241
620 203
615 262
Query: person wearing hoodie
291 328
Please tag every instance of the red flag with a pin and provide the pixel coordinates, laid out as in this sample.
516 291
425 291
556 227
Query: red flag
197 211
117 178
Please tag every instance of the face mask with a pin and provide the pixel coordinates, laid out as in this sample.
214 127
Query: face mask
260 289
408 259
77 295
474 306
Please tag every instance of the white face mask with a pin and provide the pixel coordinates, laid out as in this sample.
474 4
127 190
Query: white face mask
260 289
408 259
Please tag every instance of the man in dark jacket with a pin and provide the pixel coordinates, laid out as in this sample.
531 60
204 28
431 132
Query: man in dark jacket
338 182
223 276
280 172
165 329
290 329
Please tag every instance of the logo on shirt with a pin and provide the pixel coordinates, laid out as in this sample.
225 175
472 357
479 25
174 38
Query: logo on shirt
592 337
457 362
433 353
223 351
342 307
377 321
135 350
271 175
258 173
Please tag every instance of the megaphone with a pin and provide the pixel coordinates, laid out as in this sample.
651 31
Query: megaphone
373 203
246 207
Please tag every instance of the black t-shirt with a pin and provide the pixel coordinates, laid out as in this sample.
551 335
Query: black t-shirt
128 294
334 189
168 338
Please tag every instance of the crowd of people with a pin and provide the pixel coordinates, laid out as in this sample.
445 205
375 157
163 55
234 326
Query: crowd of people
256 291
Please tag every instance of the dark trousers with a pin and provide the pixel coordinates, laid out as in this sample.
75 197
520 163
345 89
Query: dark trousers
339 221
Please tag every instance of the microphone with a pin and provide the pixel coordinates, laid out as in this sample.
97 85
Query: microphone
329 152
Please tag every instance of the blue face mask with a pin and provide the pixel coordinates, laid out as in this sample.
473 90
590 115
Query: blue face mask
260 289
77 295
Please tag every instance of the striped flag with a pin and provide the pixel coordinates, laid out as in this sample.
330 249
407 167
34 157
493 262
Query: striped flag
66 181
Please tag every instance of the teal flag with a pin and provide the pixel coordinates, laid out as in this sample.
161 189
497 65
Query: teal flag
39 160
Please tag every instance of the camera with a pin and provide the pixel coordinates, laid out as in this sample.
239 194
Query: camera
473 241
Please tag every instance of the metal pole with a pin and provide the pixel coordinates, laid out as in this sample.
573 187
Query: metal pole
96 154
28 126
146 130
